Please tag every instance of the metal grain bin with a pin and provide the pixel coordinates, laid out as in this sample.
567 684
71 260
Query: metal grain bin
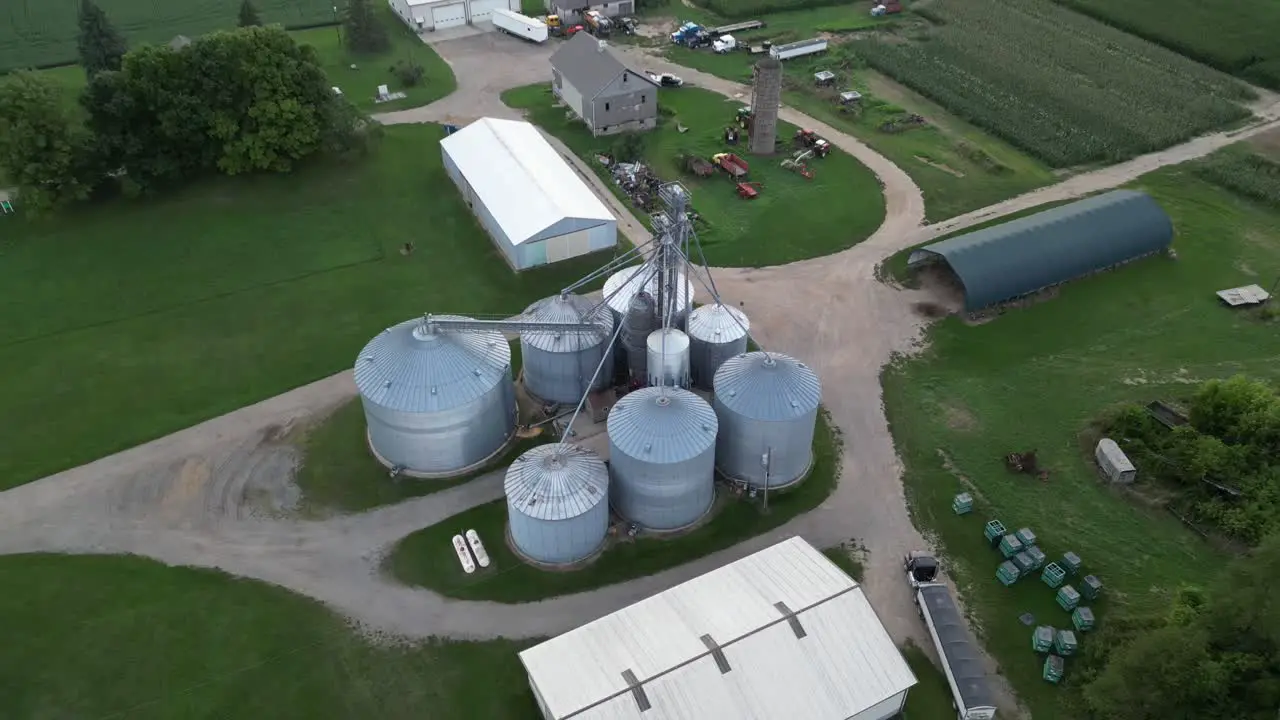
621 286
662 444
558 366
716 333
558 503
668 361
436 404
767 404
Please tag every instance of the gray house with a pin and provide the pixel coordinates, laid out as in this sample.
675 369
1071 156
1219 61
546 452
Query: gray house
608 96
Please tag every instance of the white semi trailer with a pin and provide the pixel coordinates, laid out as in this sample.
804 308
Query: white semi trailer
961 660
513 23
798 49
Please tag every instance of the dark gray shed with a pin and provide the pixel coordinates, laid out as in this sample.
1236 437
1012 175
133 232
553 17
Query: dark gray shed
1025 255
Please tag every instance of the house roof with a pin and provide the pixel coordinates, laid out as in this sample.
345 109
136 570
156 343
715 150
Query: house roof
781 633
589 65
571 4
523 182
1024 255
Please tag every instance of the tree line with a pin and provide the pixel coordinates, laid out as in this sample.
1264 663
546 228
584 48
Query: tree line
231 102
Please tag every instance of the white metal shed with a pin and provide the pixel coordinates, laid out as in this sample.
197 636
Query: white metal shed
532 203
783 633
422 15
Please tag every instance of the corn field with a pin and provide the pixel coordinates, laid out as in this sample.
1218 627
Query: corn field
1061 86
756 8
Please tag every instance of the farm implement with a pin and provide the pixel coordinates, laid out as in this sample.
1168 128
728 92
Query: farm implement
749 190
816 145
797 164
732 164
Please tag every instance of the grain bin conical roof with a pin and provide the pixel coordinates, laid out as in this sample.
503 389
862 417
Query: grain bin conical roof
406 368
567 308
556 482
767 386
718 323
662 427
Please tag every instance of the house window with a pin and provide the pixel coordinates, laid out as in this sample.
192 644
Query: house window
606 107
643 99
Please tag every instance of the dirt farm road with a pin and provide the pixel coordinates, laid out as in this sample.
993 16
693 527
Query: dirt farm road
211 495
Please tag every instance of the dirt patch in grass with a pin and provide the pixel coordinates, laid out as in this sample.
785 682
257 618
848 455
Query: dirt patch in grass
959 418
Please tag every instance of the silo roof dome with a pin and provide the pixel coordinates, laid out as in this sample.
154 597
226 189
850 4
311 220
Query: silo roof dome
408 368
567 309
556 482
662 425
767 386
718 323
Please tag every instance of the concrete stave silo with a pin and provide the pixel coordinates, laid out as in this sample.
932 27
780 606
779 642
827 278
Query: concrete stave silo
557 503
662 444
436 403
766 403
716 333
558 366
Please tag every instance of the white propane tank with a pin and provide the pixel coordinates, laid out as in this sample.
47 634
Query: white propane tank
464 555
477 547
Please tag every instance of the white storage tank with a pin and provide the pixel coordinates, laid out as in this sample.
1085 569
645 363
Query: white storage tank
621 286
558 503
436 404
662 445
767 404
716 333
668 358
558 366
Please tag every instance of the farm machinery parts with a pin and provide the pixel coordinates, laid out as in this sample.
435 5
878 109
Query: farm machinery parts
1026 464
695 165
749 190
902 123
735 166
639 183
797 164
811 140
731 135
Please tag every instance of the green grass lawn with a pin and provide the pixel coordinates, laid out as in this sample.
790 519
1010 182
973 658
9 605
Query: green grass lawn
418 559
123 637
930 699
125 321
360 83
1036 378
791 220
957 166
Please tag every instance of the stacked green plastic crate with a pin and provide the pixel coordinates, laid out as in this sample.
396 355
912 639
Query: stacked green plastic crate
1068 598
962 504
1042 639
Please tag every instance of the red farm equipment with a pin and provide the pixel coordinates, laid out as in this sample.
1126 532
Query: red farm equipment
749 190
732 164
809 139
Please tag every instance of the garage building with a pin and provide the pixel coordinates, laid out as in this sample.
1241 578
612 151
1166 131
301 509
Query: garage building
1023 256
783 633
534 206
424 15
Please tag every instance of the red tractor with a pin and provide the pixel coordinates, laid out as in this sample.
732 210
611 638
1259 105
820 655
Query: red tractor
809 139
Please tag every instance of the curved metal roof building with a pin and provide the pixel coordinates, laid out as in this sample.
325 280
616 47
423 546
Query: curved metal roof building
1051 247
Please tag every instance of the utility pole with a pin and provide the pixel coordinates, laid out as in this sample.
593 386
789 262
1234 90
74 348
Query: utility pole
766 462
337 25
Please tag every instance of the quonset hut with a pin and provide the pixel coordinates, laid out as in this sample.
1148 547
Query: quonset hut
1023 256
662 445
558 366
558 503
716 333
767 405
436 403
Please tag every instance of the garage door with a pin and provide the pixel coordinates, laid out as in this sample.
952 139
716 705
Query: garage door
482 10
563 247
447 16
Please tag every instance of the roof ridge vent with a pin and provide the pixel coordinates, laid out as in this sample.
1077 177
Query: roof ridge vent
722 662
637 690
792 620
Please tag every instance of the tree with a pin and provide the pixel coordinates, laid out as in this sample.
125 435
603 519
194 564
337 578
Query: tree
364 31
42 149
101 46
249 15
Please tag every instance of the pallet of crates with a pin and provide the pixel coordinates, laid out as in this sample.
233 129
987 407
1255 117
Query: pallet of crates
1042 638
994 532
1053 669
1037 557
1071 563
1007 573
1068 598
1082 619
1065 643
1010 545
1091 587
1053 575
962 504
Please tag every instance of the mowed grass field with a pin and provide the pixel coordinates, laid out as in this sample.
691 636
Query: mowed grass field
791 219
1092 94
1035 378
417 559
1239 38
38 33
123 637
126 321
958 166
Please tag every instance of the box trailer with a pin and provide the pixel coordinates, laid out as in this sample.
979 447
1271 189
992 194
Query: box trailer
798 49
961 659
513 23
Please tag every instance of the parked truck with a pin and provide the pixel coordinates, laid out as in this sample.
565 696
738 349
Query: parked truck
961 659
685 32
726 43
737 27
513 23
799 49
597 24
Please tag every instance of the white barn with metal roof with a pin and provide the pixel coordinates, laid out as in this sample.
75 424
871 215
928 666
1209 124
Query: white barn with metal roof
783 633
536 207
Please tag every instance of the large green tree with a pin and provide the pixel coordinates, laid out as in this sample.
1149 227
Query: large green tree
364 31
101 46
43 149
249 15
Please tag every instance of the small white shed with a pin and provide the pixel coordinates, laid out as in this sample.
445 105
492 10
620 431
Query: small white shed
536 207
1114 463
